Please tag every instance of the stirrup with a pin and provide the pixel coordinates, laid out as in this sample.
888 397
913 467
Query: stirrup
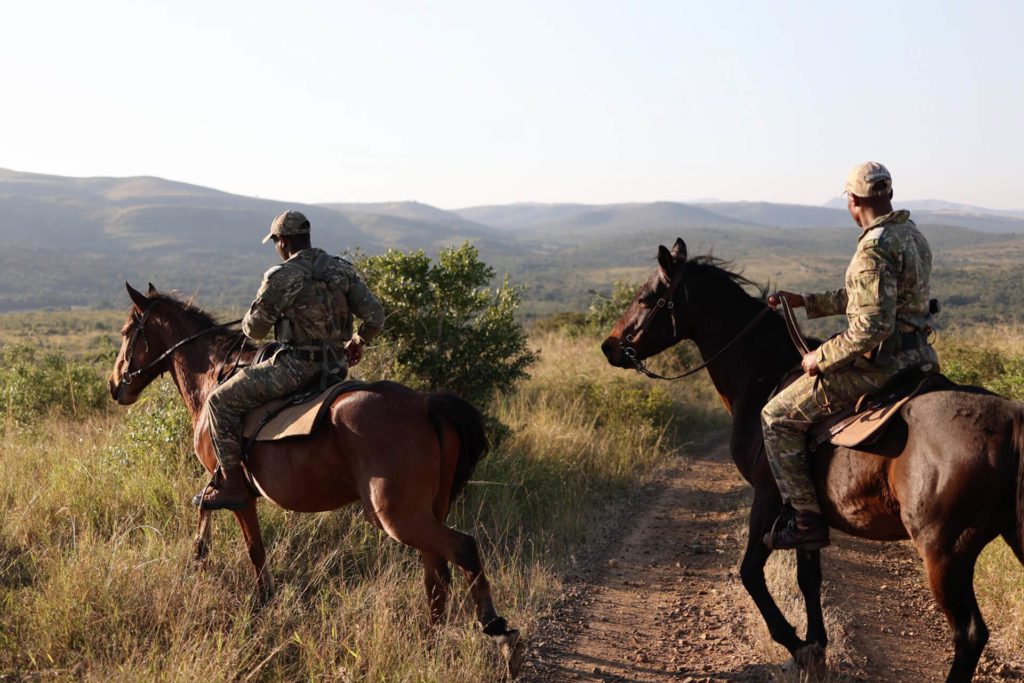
789 515
214 483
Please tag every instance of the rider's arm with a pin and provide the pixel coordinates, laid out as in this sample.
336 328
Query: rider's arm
821 304
366 307
277 292
871 306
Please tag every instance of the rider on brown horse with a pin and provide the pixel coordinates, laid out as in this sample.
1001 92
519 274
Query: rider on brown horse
887 306
308 302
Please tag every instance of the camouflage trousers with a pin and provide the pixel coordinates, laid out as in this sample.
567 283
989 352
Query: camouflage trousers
789 415
246 390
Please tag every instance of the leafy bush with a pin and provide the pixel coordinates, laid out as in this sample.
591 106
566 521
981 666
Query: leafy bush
1002 373
604 311
445 329
157 427
34 383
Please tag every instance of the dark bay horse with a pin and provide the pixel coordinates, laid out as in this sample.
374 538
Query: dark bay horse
404 455
954 483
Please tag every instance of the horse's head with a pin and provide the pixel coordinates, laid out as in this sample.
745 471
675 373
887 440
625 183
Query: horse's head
654 319
141 345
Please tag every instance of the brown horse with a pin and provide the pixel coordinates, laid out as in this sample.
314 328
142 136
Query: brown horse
404 455
953 481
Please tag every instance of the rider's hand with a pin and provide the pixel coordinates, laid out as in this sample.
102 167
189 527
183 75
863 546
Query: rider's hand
810 363
354 350
795 300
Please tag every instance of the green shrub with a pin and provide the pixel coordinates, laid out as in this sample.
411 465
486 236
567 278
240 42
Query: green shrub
1001 372
156 428
445 329
604 311
34 383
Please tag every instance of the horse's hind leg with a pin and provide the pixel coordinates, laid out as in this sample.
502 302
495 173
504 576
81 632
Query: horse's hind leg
249 522
201 544
431 537
438 579
952 581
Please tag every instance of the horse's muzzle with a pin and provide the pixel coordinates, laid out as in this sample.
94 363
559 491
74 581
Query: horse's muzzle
612 350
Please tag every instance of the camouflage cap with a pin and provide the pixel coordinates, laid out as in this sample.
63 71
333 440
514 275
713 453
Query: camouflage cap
869 179
288 223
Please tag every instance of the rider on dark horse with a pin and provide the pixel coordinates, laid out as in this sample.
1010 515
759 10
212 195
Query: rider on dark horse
886 302
308 301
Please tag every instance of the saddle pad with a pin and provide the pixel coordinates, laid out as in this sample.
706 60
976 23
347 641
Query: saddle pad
285 419
857 429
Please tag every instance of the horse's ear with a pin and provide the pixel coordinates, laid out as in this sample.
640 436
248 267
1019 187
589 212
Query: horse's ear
679 249
138 298
665 259
152 289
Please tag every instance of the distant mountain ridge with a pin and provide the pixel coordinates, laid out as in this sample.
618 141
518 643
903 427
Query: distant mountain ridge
574 219
73 241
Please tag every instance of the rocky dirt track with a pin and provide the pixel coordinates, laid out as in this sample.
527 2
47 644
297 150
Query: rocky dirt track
659 599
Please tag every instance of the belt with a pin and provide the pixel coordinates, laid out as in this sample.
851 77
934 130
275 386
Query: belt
910 341
897 343
311 355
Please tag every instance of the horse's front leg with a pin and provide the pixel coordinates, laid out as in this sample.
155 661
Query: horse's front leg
762 514
808 576
249 521
201 544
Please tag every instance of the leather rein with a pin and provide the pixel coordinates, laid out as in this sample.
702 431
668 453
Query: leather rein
668 302
128 377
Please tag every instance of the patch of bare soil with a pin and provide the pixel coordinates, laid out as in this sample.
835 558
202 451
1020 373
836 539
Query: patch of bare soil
659 599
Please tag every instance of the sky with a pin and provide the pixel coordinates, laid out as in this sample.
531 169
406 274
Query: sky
458 104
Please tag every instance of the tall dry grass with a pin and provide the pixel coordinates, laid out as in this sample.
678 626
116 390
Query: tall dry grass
97 580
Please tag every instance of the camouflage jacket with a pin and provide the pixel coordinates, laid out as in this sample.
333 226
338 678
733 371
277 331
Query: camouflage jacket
311 297
886 290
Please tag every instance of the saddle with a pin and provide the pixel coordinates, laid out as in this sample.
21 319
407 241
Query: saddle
294 416
867 421
872 416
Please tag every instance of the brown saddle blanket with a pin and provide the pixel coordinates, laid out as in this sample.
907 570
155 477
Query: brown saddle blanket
294 416
868 419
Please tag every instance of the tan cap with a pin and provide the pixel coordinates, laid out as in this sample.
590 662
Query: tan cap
869 179
288 223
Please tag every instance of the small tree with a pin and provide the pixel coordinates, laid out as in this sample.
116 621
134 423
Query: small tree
604 311
445 329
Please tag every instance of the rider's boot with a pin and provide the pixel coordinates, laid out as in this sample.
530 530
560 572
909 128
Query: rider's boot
806 530
228 491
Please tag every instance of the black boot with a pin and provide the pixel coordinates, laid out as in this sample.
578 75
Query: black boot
806 530
227 491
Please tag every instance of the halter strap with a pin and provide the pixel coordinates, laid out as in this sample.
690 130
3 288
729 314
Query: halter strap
128 377
641 368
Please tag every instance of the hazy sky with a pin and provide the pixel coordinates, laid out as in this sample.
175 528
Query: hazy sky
463 103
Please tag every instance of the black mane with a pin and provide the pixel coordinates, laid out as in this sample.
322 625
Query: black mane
723 269
201 320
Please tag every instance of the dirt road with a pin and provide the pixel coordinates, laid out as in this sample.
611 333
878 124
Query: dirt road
659 599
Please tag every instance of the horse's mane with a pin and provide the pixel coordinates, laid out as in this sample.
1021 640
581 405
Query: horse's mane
725 270
199 318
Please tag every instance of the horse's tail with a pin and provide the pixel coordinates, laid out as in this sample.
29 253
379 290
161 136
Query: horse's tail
469 423
1018 447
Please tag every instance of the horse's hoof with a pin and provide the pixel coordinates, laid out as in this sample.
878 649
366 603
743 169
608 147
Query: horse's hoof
200 552
512 650
810 657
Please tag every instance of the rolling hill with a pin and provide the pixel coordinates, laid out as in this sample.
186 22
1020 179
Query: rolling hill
73 241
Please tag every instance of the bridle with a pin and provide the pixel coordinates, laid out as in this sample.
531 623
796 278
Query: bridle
127 377
668 302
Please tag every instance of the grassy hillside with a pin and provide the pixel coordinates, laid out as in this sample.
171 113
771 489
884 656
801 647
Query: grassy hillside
96 581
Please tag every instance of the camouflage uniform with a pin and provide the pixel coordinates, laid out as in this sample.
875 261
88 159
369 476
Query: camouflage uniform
308 301
886 292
